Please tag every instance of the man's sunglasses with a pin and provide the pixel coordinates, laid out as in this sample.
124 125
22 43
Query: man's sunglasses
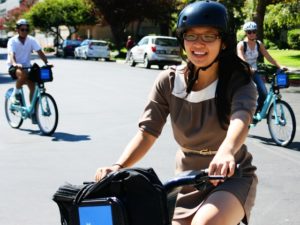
251 31
24 30
207 38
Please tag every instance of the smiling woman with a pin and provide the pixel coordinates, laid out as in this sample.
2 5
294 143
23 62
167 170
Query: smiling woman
210 101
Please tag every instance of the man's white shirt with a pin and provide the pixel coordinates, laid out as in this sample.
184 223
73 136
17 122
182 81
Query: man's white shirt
22 51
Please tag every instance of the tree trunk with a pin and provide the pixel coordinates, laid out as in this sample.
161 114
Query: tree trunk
259 19
118 34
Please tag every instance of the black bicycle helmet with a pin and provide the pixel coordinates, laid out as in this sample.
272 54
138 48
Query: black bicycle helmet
202 13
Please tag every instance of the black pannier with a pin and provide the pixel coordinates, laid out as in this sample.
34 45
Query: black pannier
132 196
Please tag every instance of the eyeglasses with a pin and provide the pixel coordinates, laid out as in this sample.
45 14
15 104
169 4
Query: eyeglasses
251 31
207 38
24 30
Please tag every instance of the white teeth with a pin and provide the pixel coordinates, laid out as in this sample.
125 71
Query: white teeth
199 53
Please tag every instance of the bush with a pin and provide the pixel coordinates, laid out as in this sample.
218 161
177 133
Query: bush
294 39
49 49
240 35
270 45
266 69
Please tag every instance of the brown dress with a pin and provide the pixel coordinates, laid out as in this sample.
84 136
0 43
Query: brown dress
196 129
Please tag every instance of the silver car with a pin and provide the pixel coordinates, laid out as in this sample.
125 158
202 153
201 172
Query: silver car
156 50
93 49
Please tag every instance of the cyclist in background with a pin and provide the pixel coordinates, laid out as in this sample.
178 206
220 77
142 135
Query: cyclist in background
249 50
19 49
210 101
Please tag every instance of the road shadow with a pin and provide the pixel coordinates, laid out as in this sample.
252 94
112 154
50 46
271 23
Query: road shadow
5 78
295 146
67 137
60 136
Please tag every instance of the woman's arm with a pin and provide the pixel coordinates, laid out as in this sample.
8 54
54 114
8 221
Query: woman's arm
266 54
134 151
136 148
224 163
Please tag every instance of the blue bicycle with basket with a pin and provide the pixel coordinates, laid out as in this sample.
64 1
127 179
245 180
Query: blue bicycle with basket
279 114
42 108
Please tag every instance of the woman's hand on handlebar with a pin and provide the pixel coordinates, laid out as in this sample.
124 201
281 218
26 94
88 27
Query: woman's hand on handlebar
103 171
222 164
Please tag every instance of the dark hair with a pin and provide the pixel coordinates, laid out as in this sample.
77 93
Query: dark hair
233 73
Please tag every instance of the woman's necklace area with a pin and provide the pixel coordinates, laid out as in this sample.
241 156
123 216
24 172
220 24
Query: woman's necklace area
203 81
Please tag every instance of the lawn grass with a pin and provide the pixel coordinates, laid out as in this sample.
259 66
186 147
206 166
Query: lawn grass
288 58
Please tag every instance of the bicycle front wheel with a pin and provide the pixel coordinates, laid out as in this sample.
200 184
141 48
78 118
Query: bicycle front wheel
281 123
46 114
13 117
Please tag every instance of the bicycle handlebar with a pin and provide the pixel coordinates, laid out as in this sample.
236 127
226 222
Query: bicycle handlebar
191 178
29 67
194 178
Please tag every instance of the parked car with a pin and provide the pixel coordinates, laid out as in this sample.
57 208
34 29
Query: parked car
3 42
156 50
67 48
93 49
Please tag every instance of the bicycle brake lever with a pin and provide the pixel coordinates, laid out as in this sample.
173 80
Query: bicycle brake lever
216 177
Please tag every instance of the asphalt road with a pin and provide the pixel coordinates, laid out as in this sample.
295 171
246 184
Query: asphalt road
99 105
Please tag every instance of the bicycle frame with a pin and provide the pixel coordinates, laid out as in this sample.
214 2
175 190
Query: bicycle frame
272 97
27 111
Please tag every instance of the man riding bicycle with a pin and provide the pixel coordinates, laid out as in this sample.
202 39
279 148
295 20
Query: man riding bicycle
19 49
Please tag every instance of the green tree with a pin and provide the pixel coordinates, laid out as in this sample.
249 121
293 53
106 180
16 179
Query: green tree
276 27
119 14
48 15
260 12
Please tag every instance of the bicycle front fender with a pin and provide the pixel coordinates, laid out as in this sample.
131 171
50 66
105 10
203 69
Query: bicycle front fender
8 93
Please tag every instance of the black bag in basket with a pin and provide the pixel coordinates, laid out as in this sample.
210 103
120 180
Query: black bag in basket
40 74
135 195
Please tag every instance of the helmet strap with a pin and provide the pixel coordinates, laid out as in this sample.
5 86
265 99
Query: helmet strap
204 68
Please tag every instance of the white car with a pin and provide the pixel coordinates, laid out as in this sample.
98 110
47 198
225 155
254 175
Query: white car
93 49
156 50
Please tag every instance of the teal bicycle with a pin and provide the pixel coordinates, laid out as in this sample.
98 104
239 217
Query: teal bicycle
278 113
42 108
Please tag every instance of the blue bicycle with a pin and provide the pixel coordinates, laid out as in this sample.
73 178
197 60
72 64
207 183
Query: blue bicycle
42 107
278 113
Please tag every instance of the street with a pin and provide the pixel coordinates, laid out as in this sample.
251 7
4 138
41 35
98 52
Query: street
99 104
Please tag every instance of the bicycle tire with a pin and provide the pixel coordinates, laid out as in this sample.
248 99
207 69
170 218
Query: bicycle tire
284 132
46 114
13 119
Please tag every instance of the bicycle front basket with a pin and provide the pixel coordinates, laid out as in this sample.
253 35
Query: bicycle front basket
46 74
281 80
40 74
